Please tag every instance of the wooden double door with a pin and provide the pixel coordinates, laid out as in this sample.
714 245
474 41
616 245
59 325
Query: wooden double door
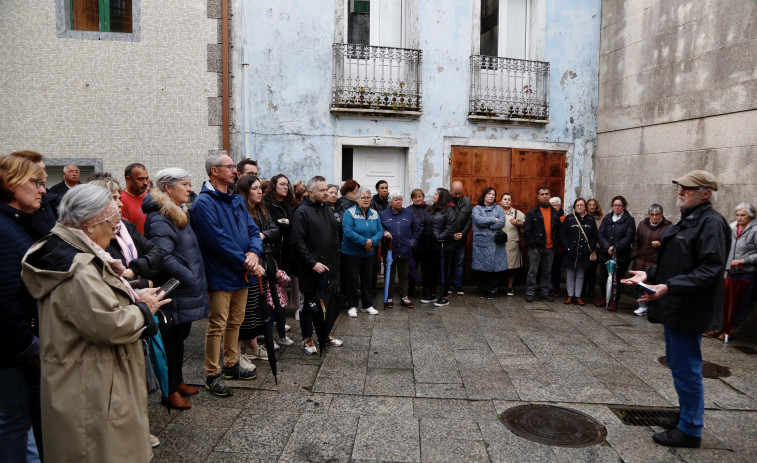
519 172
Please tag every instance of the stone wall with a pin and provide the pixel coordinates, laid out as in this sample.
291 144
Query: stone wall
110 101
678 86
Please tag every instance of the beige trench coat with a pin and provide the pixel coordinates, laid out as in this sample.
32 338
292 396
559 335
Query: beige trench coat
514 253
93 392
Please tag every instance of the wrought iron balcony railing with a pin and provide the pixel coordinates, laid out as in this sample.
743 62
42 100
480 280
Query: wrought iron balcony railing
376 80
506 89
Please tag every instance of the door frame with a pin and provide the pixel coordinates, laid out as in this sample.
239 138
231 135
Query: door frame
570 184
411 157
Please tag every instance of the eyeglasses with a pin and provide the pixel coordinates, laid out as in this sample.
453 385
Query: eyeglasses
681 188
229 166
38 182
364 198
116 227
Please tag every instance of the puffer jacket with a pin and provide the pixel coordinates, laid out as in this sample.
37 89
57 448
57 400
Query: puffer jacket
93 396
488 256
226 233
576 250
279 211
405 231
744 247
167 225
643 253
438 228
315 238
691 263
357 229
18 312
619 235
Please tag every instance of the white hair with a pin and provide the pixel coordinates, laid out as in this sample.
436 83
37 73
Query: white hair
83 202
171 176
394 194
362 190
555 200
213 160
750 211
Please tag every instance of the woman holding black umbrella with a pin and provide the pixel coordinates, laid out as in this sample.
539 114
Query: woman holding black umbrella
249 188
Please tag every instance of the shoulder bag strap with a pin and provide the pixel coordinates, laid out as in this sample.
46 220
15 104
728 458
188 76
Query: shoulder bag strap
581 227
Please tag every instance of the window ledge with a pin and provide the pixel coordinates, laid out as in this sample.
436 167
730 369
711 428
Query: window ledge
477 118
372 113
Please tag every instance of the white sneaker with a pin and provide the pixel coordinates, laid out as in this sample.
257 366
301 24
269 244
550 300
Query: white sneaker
276 346
641 311
287 327
308 345
286 341
257 354
352 312
245 364
334 341
154 441
370 311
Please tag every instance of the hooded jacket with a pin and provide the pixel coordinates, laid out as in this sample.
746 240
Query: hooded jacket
315 238
167 225
93 392
692 259
226 233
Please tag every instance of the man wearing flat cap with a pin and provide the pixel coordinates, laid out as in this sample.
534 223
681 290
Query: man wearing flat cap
688 283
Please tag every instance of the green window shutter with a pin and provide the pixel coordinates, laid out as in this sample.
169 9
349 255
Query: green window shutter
104 15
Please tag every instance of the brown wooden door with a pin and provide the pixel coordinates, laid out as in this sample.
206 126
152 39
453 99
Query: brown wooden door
519 172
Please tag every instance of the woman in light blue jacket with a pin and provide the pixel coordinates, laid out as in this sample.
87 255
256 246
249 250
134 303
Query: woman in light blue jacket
362 232
489 257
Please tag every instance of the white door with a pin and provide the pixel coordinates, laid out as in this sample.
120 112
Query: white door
369 165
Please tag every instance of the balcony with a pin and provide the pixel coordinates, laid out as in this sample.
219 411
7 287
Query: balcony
508 90
376 81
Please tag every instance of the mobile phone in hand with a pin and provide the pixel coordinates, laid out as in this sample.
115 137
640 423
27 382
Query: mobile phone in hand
646 288
169 286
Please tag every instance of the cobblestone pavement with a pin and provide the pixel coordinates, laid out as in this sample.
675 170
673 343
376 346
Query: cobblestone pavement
427 384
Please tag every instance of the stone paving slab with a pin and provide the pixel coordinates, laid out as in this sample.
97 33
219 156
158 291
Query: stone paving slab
427 384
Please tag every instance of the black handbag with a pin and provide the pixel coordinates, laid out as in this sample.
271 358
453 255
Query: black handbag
500 237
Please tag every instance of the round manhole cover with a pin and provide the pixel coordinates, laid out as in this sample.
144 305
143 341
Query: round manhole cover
709 369
550 425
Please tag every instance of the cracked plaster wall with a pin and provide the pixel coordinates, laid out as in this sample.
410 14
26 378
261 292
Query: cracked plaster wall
287 125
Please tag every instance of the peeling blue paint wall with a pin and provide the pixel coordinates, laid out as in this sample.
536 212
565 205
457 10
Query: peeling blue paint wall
288 126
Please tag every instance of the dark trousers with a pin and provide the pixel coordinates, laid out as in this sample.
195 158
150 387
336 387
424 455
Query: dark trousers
417 261
539 260
485 283
399 270
556 271
620 272
358 273
173 342
436 271
590 280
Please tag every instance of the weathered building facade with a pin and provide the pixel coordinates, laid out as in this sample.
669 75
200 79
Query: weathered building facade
677 91
419 92
106 83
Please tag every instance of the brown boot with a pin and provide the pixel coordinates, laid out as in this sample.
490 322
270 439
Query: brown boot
580 301
600 303
178 402
613 306
568 300
187 391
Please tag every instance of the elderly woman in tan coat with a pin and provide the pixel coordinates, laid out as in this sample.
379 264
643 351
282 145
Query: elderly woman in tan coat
93 393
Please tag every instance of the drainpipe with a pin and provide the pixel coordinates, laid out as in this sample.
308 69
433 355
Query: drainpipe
225 73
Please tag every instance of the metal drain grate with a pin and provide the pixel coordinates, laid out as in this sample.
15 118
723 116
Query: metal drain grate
643 416
550 425
709 369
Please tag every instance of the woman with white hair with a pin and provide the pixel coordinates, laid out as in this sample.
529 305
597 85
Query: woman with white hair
167 225
742 263
401 227
93 395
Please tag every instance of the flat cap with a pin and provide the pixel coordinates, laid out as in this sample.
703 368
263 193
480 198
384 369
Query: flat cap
698 178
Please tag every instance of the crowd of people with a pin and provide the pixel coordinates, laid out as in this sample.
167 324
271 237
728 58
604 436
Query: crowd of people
83 267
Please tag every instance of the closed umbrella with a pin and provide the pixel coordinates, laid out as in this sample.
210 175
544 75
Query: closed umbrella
264 315
388 270
326 310
611 284
158 360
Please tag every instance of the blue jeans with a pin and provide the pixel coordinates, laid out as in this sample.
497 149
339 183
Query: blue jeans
683 352
15 416
458 255
539 259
